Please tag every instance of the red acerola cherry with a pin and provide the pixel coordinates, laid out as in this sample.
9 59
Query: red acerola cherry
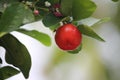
36 12
68 37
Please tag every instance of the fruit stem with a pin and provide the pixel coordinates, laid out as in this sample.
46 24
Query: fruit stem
66 20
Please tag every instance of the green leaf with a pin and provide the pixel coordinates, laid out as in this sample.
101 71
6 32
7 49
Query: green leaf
7 72
82 9
50 20
28 16
89 32
43 38
93 21
14 16
66 7
16 54
43 12
115 0
76 50
54 27
7 3
0 61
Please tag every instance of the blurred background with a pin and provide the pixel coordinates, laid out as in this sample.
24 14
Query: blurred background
96 61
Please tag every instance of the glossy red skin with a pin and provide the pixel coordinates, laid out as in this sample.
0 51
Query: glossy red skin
68 37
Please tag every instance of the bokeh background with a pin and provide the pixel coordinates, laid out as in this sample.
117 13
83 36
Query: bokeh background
96 61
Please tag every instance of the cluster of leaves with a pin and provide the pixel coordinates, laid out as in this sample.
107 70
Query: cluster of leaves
15 13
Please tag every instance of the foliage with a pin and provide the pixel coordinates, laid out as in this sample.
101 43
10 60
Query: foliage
7 71
115 0
16 53
15 13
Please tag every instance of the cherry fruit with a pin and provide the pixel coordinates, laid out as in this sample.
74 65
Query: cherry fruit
68 37
36 12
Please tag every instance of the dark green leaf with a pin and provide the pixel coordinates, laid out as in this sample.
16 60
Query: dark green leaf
50 20
16 53
115 0
89 32
82 9
7 71
66 7
0 61
43 38
76 50
14 16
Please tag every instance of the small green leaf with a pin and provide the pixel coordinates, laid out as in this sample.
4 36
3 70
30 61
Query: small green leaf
7 72
93 21
76 50
13 17
82 9
66 7
103 20
89 32
0 61
16 53
43 38
50 20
